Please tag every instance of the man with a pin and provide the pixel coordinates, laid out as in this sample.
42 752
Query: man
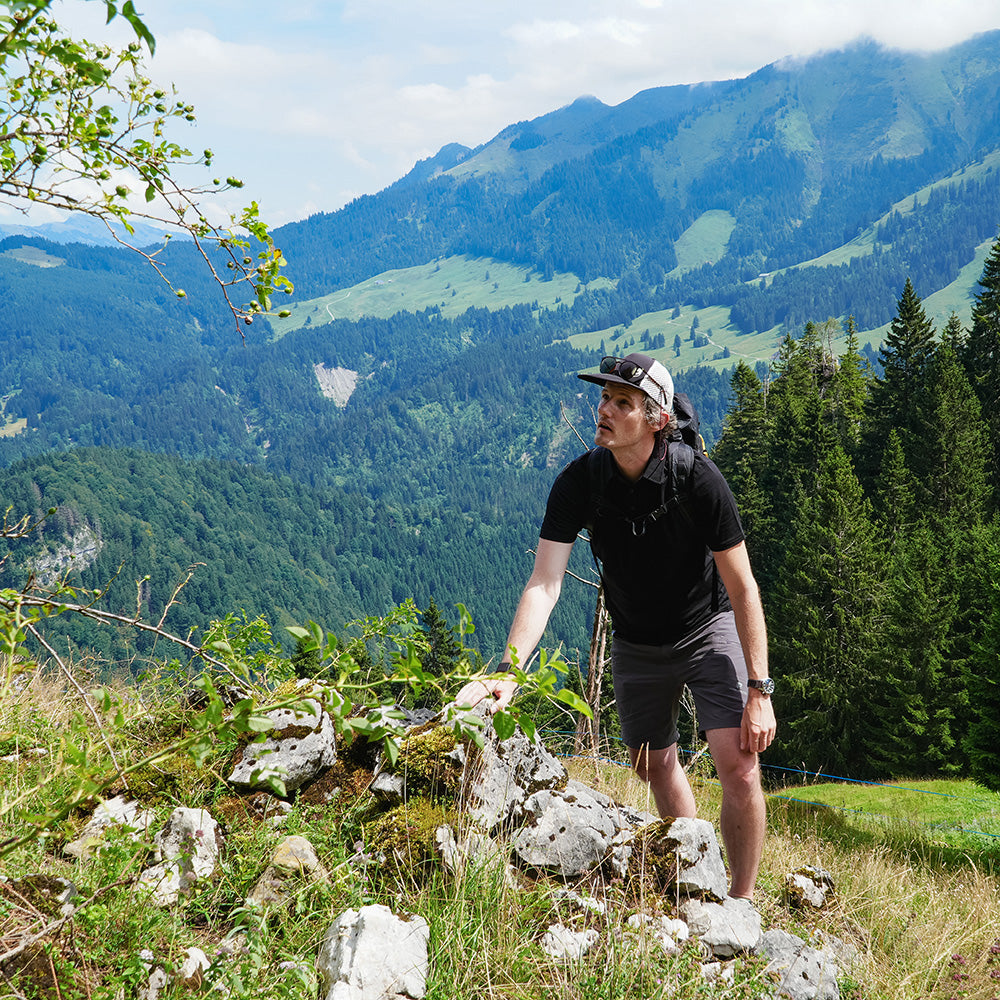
684 604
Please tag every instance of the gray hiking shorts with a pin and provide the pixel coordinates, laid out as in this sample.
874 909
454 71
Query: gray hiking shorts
649 681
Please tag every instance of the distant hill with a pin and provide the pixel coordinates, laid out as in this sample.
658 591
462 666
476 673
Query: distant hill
698 223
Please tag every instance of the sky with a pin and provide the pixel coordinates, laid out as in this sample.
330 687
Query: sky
314 103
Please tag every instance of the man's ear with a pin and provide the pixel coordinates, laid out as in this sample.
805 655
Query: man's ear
664 419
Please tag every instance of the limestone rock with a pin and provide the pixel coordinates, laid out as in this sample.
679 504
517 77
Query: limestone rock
808 886
563 943
294 859
112 812
804 972
568 832
187 850
668 932
682 855
505 775
302 743
371 954
727 929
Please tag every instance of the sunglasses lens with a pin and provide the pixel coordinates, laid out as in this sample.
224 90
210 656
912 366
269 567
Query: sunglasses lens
608 365
630 372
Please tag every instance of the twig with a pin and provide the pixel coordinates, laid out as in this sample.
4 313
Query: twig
83 694
87 611
58 924
572 427
177 590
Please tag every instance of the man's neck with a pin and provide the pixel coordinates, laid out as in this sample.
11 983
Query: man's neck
632 461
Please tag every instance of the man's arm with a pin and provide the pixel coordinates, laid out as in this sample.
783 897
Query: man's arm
537 601
759 724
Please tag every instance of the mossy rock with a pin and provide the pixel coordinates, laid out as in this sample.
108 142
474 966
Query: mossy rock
406 838
425 763
341 785
174 780
653 865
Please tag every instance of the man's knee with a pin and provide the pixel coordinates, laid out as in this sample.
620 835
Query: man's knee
651 765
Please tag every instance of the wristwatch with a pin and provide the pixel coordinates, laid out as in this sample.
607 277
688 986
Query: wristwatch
765 686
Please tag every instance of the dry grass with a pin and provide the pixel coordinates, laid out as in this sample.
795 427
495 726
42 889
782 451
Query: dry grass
918 924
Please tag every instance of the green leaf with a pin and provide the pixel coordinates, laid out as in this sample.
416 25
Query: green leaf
504 725
574 701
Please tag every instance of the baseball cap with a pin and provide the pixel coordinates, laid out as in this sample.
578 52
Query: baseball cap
638 371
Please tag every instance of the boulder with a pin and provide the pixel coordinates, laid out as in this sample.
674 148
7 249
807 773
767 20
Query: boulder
301 744
372 954
568 832
726 929
187 851
803 972
680 855
504 775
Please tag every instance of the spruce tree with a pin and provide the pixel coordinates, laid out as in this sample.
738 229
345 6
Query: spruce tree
741 451
982 745
444 650
920 698
849 392
896 399
981 355
824 623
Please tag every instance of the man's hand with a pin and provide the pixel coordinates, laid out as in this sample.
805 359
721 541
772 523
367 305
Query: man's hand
499 687
759 726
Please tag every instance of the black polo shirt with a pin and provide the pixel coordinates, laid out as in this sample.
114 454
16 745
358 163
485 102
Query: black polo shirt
659 577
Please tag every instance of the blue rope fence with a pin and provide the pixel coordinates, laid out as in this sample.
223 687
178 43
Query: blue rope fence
825 776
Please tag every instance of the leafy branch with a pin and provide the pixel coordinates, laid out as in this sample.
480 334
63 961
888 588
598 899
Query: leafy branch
83 129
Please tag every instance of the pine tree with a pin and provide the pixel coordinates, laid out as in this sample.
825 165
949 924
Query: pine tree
984 686
896 399
981 355
825 624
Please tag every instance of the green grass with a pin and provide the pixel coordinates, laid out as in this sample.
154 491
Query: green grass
953 816
713 322
704 241
33 255
10 428
909 902
452 284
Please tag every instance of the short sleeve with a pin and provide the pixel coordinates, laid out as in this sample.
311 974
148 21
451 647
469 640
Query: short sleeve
567 506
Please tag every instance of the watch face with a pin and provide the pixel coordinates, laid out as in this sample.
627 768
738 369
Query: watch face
765 686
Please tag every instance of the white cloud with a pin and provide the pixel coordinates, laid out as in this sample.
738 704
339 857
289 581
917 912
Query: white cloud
313 103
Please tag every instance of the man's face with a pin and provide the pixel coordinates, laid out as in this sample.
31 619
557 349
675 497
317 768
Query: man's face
621 419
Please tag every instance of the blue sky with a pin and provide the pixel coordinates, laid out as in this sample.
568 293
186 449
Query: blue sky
315 103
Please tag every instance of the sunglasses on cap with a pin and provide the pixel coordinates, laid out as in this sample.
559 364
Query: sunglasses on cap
627 370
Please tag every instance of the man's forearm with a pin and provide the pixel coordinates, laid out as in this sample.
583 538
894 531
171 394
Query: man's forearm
529 623
749 614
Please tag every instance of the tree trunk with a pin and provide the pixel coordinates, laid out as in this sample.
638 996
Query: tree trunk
588 731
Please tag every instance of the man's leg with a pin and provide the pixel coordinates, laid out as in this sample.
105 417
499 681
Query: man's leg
662 771
743 815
